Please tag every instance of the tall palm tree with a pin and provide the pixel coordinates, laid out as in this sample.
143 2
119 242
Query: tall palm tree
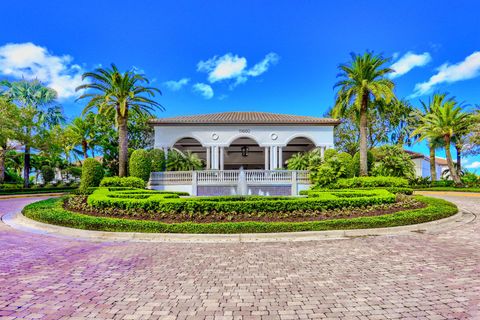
116 93
421 132
362 79
80 131
34 101
444 121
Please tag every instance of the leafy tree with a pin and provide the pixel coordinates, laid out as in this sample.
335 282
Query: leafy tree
362 79
444 121
120 94
36 113
9 122
48 174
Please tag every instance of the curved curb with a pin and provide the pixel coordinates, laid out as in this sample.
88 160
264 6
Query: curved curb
20 222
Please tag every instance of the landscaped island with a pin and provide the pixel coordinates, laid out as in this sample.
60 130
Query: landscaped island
140 210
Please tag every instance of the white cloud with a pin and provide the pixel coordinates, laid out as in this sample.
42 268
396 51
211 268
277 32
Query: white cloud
473 165
409 61
204 89
234 67
449 73
176 85
262 66
29 61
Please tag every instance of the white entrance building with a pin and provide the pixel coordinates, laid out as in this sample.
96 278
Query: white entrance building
261 143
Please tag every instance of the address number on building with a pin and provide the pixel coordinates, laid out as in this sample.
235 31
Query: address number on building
244 130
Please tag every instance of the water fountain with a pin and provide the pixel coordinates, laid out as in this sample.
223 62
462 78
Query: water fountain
242 188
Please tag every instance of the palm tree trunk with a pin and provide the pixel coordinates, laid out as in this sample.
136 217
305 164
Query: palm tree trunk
458 148
363 137
123 146
26 167
451 167
433 167
85 149
3 154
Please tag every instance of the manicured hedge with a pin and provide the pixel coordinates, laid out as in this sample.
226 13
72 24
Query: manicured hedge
128 182
51 211
36 190
156 202
370 182
394 190
455 189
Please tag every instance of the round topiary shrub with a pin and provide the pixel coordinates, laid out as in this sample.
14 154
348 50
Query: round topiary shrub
47 174
329 153
92 174
140 164
158 160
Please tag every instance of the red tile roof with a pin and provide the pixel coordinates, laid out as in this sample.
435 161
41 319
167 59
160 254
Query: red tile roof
244 118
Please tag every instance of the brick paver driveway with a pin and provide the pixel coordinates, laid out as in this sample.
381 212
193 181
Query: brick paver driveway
418 276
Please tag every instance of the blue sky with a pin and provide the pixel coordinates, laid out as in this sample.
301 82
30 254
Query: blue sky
276 56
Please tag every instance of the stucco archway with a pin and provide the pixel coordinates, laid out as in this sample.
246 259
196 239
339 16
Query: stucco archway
243 152
296 145
189 144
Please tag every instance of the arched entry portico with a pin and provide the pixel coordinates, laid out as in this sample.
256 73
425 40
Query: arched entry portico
243 152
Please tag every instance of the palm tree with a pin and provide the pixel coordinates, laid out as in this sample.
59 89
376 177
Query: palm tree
34 101
80 131
444 120
119 94
362 79
9 122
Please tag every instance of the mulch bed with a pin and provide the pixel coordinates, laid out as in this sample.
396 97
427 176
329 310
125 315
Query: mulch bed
80 205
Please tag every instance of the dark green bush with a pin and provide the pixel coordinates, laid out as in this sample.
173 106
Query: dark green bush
158 160
48 174
127 182
140 164
92 174
369 182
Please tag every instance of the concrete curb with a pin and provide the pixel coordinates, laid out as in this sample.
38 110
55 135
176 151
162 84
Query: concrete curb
20 222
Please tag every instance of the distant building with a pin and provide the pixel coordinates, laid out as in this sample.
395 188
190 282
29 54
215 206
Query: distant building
422 164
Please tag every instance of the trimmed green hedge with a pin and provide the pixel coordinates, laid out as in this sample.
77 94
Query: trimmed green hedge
370 182
36 190
140 164
92 174
158 202
128 182
394 190
51 211
449 189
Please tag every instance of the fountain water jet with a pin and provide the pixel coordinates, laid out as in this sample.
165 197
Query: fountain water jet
242 188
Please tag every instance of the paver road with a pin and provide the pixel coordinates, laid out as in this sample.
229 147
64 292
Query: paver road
417 276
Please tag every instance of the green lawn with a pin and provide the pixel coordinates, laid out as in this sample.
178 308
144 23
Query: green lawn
51 211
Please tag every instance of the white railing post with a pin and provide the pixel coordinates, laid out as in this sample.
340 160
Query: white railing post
294 183
194 183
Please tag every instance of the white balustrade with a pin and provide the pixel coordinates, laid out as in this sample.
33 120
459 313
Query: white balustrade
229 177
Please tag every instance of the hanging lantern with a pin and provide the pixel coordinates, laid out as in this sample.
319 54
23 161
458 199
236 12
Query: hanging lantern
244 151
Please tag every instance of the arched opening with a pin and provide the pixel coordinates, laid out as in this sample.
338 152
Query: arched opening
296 145
191 145
244 152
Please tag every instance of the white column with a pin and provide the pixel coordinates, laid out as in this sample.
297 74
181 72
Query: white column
280 157
266 158
274 157
209 158
322 152
221 158
271 165
215 158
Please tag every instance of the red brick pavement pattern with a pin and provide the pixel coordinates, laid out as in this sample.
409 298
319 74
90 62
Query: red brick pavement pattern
419 276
